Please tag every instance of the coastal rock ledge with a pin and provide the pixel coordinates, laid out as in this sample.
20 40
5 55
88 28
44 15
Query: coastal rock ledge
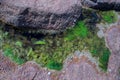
49 16
43 15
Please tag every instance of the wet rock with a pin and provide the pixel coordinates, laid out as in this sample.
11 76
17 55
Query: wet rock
103 4
106 5
40 15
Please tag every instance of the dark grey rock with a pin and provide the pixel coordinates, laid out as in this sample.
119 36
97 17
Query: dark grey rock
40 15
103 4
48 16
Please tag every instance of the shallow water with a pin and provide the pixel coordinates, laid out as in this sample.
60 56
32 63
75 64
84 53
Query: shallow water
51 50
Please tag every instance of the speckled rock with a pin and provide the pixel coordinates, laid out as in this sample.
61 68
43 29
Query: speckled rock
77 67
81 68
41 15
28 71
6 67
113 42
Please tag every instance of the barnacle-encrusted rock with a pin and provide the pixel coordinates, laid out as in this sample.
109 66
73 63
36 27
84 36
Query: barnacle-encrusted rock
43 15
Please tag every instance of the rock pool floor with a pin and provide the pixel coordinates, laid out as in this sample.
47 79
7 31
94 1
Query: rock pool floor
51 51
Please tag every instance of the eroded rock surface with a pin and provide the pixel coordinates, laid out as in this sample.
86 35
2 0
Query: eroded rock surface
41 15
48 16
113 41
6 67
28 71
103 4
81 68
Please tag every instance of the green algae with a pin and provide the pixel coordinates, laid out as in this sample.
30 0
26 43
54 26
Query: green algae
9 53
54 65
109 16
80 30
56 49
40 42
103 59
10 50
51 51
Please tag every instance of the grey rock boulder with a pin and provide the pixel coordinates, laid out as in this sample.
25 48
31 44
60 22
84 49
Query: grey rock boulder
40 15
113 41
48 16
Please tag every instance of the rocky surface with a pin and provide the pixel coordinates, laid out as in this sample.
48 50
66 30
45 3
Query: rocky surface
113 41
28 71
80 66
6 67
77 67
41 15
103 4
48 16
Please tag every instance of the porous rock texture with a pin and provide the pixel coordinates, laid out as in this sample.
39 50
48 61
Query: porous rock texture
42 15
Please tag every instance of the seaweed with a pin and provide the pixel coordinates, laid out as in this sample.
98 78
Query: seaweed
54 65
79 30
108 16
51 51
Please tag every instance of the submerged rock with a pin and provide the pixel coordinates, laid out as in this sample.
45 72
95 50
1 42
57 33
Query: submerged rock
41 15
